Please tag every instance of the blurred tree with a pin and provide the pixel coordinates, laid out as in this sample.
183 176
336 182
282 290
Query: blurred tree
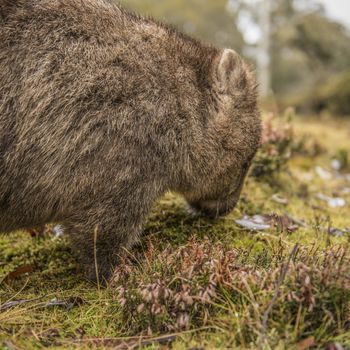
211 21
264 56
334 95
307 50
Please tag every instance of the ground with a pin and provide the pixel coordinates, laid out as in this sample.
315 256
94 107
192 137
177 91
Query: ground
198 283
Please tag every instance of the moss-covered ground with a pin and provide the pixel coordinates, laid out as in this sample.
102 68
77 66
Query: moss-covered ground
194 283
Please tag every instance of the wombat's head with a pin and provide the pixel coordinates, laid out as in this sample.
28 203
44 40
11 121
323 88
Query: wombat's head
234 134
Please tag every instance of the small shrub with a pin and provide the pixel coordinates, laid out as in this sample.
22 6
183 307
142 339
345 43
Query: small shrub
188 286
277 145
335 95
343 157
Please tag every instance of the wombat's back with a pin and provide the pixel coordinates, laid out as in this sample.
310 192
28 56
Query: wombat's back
61 78
85 85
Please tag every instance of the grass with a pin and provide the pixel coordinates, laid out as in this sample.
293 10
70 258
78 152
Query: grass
198 283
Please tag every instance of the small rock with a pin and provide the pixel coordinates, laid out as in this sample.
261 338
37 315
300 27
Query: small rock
307 176
345 191
255 223
335 346
336 232
337 202
279 199
323 174
336 164
58 231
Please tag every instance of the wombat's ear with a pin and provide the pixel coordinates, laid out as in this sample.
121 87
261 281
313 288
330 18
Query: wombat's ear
231 72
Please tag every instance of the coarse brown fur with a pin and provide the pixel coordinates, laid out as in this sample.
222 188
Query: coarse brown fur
102 111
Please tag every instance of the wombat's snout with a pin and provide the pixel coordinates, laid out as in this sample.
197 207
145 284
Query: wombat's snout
223 205
214 208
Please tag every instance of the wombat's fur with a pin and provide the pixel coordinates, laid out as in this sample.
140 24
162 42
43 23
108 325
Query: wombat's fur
102 111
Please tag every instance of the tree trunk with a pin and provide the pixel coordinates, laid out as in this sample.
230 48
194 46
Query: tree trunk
264 69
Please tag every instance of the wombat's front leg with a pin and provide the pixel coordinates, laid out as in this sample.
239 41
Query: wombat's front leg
101 233
98 248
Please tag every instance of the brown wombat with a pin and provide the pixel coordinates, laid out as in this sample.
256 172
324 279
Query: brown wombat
103 111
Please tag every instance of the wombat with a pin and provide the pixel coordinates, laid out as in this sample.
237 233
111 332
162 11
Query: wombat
103 111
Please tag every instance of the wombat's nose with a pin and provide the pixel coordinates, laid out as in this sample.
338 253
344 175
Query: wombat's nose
212 209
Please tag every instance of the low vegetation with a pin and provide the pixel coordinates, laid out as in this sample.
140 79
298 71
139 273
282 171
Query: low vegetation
335 95
198 283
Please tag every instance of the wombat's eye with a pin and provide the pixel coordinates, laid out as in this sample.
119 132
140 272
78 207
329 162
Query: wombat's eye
245 166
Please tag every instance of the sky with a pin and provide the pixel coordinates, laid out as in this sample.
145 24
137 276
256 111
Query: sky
338 10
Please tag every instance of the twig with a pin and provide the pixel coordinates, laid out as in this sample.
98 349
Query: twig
284 270
296 221
160 340
9 345
95 258
121 343
12 303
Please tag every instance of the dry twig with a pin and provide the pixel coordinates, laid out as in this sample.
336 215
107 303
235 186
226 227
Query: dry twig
284 270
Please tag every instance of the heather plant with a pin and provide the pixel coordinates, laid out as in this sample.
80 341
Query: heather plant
196 282
277 145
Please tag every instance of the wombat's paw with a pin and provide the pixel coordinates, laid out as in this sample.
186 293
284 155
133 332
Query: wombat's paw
213 209
97 275
197 211
193 211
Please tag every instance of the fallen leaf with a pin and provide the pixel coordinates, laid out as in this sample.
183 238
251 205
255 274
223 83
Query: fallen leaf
306 343
68 304
323 174
332 202
58 231
80 331
255 223
10 346
34 232
307 176
334 346
282 223
55 302
18 272
345 191
13 303
336 164
279 199
296 221
338 232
